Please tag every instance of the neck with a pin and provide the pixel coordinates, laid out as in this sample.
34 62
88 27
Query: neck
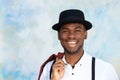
72 59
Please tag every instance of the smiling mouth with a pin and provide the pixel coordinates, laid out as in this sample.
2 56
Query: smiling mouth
72 43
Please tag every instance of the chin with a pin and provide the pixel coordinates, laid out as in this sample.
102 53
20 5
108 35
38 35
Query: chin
72 51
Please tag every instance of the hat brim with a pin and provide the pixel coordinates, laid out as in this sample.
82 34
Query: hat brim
87 24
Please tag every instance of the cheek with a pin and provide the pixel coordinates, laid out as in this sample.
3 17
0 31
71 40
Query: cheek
83 35
62 39
62 36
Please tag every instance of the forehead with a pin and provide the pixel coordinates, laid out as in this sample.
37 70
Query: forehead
72 25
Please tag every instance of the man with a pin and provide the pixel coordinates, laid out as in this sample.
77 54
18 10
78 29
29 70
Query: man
74 63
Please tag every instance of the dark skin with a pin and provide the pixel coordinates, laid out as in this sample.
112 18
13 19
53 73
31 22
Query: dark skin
71 36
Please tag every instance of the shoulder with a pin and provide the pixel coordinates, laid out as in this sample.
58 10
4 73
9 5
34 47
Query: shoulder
46 70
48 65
106 69
101 64
98 61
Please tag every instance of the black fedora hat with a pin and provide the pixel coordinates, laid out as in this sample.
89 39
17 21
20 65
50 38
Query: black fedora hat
71 16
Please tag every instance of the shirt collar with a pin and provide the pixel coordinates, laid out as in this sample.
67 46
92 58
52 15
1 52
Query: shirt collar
84 59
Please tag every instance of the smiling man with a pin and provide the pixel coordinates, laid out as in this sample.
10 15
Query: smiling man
74 63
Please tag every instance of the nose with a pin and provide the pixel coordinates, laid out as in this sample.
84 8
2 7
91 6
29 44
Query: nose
71 35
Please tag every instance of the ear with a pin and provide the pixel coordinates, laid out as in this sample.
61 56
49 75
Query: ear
86 34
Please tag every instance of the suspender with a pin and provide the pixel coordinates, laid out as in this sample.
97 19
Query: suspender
51 69
92 68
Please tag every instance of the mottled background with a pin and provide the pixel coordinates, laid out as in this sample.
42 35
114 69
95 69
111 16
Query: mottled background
26 37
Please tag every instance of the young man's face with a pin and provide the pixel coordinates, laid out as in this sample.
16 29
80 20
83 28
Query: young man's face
71 36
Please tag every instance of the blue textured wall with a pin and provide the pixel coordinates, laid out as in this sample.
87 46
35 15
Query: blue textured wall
26 37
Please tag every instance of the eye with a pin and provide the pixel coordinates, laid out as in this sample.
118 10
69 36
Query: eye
64 31
78 30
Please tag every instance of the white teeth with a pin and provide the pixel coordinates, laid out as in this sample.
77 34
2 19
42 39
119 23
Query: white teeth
72 42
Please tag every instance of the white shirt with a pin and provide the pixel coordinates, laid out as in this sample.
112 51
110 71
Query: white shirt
82 70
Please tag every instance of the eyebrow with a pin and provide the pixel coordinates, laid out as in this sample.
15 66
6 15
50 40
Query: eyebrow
79 27
63 28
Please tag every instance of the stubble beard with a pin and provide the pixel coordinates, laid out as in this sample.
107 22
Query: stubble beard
71 52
